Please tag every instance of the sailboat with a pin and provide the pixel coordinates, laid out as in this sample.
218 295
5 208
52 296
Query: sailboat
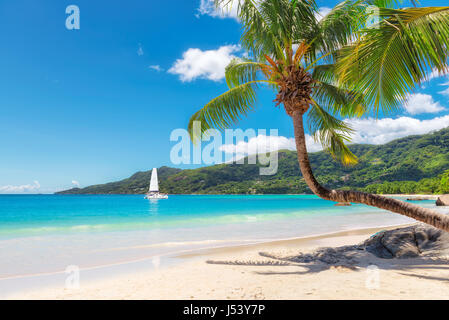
153 192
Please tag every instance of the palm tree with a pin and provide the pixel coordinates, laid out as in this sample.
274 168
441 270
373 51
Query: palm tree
325 70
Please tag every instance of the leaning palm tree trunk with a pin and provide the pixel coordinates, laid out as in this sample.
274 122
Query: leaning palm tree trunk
341 69
428 216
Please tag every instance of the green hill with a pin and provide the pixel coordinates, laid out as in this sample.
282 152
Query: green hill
407 165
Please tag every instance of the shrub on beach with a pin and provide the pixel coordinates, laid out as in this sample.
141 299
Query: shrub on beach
444 183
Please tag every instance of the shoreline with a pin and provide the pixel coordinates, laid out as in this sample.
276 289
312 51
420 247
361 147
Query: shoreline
198 252
122 275
416 197
192 266
249 276
109 246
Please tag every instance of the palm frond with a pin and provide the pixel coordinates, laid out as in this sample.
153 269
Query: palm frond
225 110
335 98
339 101
332 133
301 51
390 60
290 21
257 36
388 3
240 71
337 28
325 73
271 27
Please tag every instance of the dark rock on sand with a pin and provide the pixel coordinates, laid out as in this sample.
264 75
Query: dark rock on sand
346 255
443 200
419 240
401 243
407 242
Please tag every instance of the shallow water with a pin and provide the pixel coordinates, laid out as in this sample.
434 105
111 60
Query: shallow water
43 234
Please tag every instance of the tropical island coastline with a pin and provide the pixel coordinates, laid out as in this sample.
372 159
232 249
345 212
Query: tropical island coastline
413 165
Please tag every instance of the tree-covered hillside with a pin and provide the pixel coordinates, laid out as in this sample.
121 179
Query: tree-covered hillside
414 164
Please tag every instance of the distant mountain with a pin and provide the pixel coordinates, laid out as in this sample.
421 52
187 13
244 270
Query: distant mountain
138 183
413 158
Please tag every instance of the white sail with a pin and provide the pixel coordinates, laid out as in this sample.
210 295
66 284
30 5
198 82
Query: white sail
154 185
153 192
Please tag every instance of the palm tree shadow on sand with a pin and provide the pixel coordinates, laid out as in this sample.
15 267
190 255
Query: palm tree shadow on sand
404 249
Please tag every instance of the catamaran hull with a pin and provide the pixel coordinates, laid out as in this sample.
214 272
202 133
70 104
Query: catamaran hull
156 196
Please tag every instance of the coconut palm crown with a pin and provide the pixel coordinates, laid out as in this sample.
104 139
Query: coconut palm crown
361 58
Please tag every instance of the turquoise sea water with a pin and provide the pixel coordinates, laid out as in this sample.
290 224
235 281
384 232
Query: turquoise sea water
43 234
31 215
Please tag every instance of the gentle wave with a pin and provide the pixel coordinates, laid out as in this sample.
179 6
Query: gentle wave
169 223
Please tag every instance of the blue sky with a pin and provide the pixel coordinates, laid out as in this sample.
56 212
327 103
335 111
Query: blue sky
97 104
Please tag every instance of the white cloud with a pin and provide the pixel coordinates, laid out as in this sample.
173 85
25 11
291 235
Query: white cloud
27 188
322 12
435 74
140 50
381 131
207 7
367 131
209 64
445 91
422 103
75 183
312 145
262 144
156 67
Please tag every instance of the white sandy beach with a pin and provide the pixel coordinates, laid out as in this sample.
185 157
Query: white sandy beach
194 278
